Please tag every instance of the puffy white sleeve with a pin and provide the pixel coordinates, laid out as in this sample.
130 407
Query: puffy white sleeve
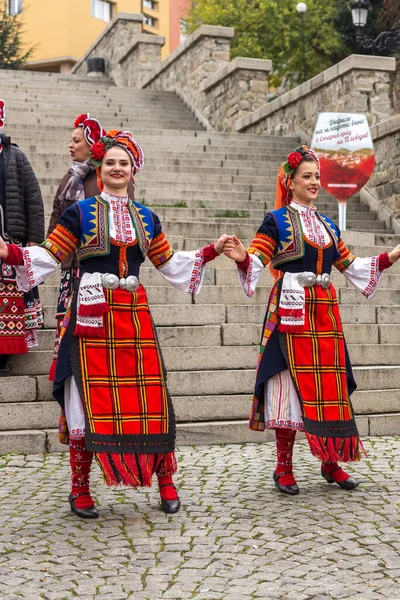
250 274
38 265
364 274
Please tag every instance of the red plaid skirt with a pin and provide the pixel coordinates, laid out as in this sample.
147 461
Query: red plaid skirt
130 422
317 362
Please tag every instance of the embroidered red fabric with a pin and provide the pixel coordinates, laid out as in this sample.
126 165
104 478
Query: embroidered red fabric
244 265
209 253
15 256
384 262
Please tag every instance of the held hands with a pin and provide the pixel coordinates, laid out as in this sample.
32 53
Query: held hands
234 249
219 244
3 249
394 255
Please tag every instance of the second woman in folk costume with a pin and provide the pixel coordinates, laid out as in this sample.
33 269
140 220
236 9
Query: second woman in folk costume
79 183
110 376
304 376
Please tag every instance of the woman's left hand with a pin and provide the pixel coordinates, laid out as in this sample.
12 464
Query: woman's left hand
394 255
219 244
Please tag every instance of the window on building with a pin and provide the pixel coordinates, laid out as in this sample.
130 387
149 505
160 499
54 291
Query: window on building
149 21
14 7
150 4
101 9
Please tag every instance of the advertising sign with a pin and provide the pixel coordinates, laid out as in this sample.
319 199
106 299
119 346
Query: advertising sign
344 145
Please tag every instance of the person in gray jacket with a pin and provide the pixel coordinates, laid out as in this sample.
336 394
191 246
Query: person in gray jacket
22 222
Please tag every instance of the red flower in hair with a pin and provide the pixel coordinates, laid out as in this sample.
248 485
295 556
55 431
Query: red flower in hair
294 159
98 151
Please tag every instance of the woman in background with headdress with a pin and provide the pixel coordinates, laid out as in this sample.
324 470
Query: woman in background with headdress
79 183
304 376
110 376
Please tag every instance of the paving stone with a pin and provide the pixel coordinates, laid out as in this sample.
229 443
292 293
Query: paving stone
236 537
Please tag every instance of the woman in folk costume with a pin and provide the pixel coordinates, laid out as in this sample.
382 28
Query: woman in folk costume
110 376
304 376
79 183
22 223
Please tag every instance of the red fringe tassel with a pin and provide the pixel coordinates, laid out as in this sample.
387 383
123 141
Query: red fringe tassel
52 371
291 312
93 310
291 328
134 470
15 345
336 449
82 331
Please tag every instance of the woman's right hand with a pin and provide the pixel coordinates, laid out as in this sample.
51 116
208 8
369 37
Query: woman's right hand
235 250
3 248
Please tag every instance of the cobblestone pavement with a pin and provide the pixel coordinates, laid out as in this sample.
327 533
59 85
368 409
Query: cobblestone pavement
235 538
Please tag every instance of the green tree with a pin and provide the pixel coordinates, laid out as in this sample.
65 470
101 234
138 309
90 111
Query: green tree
390 14
272 29
12 54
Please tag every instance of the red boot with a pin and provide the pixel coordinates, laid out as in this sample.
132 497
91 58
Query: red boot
80 499
283 476
335 474
170 502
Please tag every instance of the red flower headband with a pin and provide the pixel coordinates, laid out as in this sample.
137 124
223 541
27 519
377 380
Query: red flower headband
295 158
122 139
92 130
2 113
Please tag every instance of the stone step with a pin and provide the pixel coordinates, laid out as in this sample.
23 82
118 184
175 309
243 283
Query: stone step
240 334
178 358
216 357
380 297
19 416
38 441
368 314
147 132
170 315
209 383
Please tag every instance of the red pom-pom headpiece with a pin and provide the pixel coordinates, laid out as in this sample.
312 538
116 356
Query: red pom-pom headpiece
92 130
2 113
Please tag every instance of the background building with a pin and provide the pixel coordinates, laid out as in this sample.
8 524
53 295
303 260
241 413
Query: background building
62 31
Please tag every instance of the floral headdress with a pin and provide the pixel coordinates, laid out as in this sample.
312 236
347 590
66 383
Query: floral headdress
121 139
295 158
2 113
124 140
92 130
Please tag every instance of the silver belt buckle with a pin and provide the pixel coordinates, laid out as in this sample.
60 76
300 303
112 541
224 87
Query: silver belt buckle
113 282
308 279
131 283
110 281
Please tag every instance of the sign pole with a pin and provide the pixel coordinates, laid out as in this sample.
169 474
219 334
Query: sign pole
342 215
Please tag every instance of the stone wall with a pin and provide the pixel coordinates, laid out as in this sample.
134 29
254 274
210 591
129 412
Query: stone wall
201 73
358 84
113 44
396 89
382 191
142 58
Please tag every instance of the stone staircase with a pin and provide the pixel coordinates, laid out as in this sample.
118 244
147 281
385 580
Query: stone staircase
201 185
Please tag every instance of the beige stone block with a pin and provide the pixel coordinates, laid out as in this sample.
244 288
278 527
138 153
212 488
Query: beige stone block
22 442
388 424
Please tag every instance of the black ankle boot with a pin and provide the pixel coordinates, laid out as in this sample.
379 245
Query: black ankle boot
291 490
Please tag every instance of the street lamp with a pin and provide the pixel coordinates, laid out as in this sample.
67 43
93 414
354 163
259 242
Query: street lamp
388 41
301 8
